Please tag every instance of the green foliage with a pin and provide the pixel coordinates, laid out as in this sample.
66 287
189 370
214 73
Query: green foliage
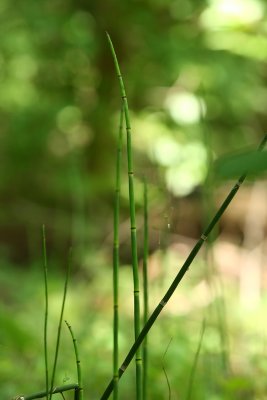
186 66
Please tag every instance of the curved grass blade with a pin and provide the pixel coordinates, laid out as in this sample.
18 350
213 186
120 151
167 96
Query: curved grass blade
137 319
165 372
153 317
46 311
78 363
60 325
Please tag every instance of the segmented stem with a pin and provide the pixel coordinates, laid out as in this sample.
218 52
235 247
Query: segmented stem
116 261
137 324
78 363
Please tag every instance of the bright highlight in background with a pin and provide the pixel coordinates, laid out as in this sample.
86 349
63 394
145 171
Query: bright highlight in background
184 107
230 13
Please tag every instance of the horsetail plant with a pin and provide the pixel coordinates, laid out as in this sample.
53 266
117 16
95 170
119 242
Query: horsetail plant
153 317
60 325
137 319
46 310
79 390
145 289
116 261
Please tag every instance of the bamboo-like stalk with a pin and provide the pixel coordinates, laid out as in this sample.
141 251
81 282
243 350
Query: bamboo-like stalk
116 261
60 326
58 389
178 278
137 320
145 290
46 310
78 363
194 366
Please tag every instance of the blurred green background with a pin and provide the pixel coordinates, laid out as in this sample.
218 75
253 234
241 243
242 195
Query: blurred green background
196 79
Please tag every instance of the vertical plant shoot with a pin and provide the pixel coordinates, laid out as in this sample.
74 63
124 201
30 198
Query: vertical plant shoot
46 311
137 324
145 289
116 262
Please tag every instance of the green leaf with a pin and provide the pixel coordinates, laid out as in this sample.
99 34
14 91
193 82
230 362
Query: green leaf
251 162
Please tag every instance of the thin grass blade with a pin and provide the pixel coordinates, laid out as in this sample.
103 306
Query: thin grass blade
60 325
46 310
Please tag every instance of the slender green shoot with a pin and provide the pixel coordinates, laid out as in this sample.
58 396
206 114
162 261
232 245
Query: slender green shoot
41 395
116 261
153 317
137 319
194 366
60 326
46 310
78 363
145 290
165 372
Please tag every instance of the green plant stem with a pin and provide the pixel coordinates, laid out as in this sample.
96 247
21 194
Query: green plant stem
116 261
60 326
137 320
46 310
78 363
194 367
58 389
145 289
177 279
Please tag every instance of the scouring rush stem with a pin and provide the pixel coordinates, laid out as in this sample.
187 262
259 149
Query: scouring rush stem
145 289
78 363
178 278
116 261
60 326
137 322
46 310
41 395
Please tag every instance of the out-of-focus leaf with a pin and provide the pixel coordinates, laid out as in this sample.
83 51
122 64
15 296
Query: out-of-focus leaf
252 162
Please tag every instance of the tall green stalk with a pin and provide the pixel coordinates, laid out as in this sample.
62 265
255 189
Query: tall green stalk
78 363
137 320
178 279
60 326
116 262
194 366
145 289
46 311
